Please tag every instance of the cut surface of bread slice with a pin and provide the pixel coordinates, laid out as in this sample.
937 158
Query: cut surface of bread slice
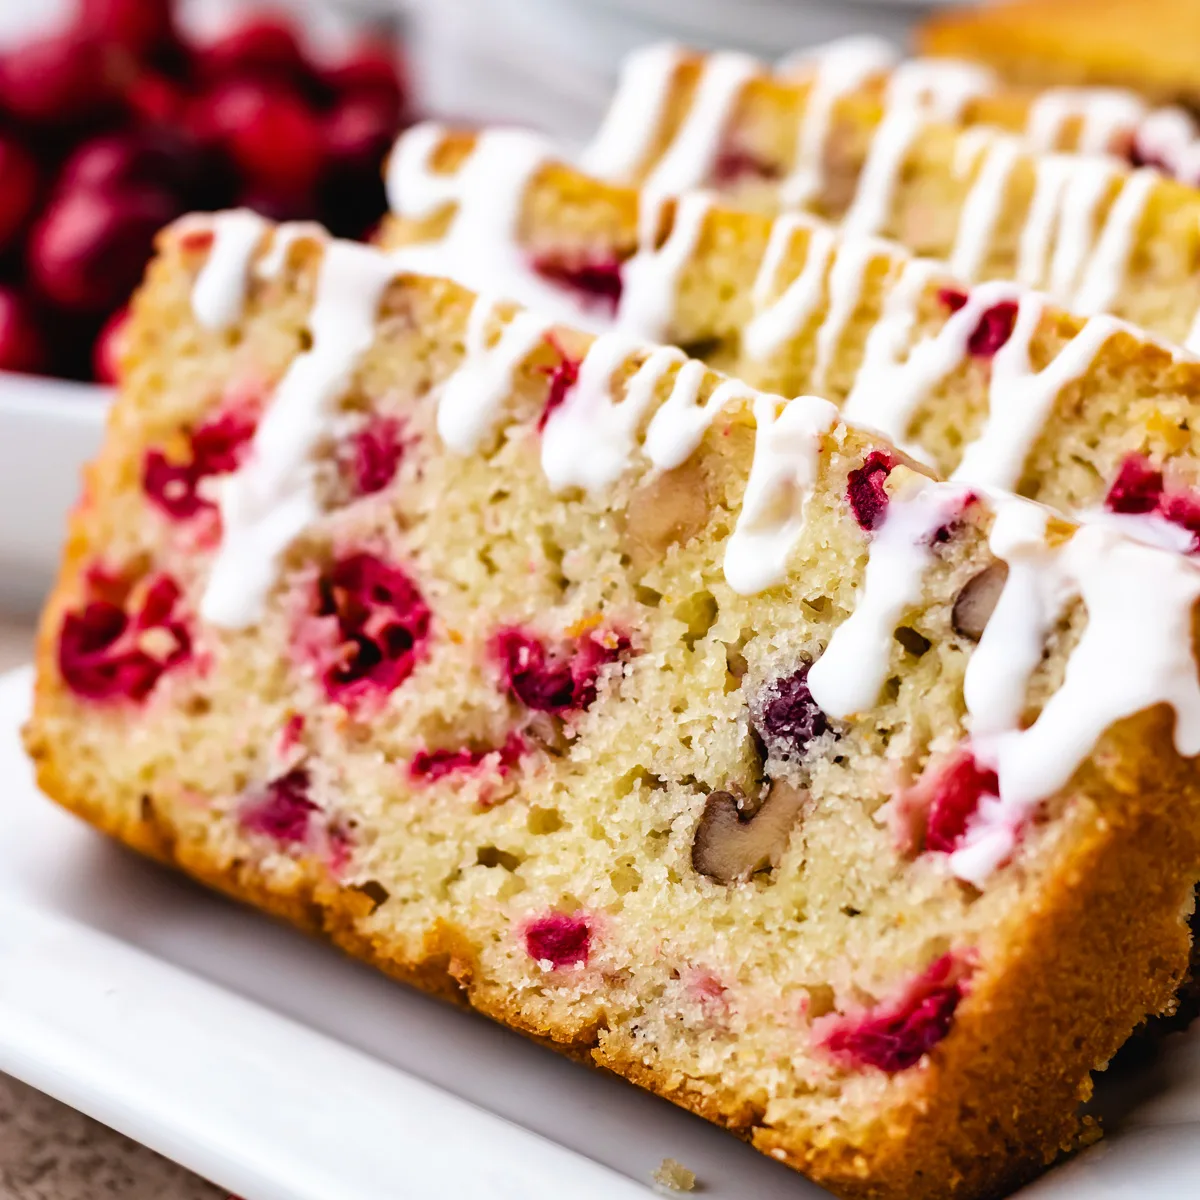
1149 45
682 726
730 116
984 199
991 383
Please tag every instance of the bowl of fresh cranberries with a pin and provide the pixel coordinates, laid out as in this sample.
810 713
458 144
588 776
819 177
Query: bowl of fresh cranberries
114 121
119 122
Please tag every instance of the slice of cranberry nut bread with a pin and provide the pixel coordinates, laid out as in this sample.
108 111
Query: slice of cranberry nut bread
673 722
894 170
991 383
789 126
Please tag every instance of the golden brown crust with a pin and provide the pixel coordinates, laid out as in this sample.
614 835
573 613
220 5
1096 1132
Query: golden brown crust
1136 383
996 1102
770 107
1148 45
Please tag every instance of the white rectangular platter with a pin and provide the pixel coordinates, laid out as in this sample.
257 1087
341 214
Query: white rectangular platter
282 1071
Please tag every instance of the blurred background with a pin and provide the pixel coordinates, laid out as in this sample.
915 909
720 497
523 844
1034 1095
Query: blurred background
116 116
553 62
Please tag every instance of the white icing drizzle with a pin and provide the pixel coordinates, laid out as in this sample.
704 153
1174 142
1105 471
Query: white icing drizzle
1088 184
877 183
888 388
1103 113
1020 400
1060 224
1114 577
219 293
1191 343
984 202
627 134
1105 270
1136 597
1170 136
678 427
480 248
786 458
838 68
891 385
688 160
997 677
589 440
1149 528
846 279
650 279
847 678
271 265
271 500
942 87
776 322
469 400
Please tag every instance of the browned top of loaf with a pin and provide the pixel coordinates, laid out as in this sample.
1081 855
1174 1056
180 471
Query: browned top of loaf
1151 46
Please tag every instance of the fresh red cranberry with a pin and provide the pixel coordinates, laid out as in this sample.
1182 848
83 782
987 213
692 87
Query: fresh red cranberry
262 46
272 136
993 330
552 679
786 717
957 791
57 80
88 251
865 490
946 532
735 164
292 732
129 162
358 134
22 346
952 298
373 70
1183 509
154 99
374 455
137 25
559 939
898 1033
597 278
564 375
103 653
215 448
282 810
19 195
382 622
431 765
1138 487
106 355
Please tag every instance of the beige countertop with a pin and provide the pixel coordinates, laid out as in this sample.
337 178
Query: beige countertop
51 1152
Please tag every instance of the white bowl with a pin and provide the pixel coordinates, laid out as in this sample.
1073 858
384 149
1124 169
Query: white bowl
48 430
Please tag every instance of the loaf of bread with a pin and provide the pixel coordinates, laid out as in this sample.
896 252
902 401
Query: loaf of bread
990 382
686 727
889 165
1149 45
792 125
